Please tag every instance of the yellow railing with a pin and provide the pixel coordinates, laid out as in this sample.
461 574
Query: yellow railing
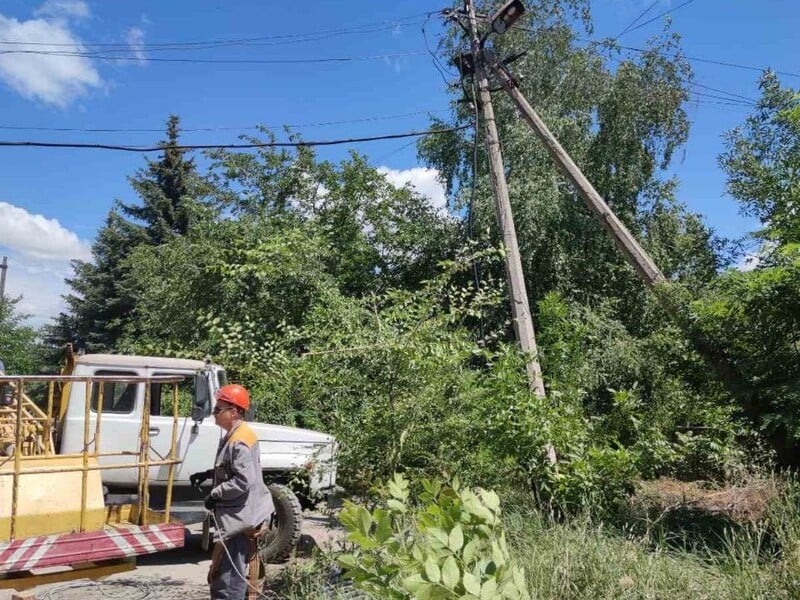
32 430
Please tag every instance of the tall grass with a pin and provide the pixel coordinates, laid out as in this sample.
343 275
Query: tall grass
580 559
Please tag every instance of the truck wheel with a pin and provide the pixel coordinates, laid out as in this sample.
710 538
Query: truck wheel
277 544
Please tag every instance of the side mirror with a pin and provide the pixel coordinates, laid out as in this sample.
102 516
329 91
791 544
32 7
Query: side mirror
198 413
202 397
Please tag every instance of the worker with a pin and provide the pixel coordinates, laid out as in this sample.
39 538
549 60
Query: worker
239 501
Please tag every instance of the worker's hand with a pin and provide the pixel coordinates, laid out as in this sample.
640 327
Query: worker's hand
210 502
213 573
196 479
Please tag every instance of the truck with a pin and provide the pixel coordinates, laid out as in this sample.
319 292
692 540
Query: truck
298 464
107 408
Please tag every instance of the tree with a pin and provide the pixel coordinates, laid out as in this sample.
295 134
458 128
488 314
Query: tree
384 236
756 314
762 162
239 288
173 198
20 350
622 126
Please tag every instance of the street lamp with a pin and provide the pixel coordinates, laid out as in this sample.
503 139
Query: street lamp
507 15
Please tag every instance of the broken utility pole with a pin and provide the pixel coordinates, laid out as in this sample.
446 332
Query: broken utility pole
482 60
627 244
520 309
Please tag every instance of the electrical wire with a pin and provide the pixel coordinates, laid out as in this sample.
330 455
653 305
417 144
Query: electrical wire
726 98
734 96
284 38
636 20
209 129
710 61
218 61
159 148
595 43
228 553
383 157
658 16
443 72
92 51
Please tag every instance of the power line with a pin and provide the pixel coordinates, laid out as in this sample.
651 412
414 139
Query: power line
160 148
733 96
97 52
210 129
636 20
710 61
443 72
658 16
271 61
595 43
725 98
284 38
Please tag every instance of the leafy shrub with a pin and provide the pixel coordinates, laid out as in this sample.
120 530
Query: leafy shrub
450 545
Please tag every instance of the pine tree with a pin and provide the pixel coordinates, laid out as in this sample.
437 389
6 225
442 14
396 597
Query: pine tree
172 197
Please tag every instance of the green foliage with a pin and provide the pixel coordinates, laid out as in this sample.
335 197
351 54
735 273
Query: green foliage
449 544
390 374
756 314
762 159
20 349
172 199
649 399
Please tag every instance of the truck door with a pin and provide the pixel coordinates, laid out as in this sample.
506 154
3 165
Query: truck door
196 445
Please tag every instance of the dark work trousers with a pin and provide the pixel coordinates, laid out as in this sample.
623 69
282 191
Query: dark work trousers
230 585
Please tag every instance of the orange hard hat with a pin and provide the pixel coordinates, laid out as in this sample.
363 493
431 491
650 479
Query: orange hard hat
234 394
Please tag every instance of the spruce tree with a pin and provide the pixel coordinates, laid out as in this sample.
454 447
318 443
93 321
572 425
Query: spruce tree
172 196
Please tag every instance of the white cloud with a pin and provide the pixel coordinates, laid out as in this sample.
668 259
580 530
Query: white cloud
51 78
38 236
425 180
63 9
135 39
748 262
39 251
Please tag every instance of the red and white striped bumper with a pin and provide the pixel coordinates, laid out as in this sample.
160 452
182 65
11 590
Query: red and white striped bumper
71 548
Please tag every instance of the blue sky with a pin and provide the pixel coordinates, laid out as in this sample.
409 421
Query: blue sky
52 201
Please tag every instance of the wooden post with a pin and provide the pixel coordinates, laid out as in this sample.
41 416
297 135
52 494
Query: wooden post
627 244
520 308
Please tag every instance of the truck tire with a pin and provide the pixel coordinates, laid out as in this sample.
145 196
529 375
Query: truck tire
277 544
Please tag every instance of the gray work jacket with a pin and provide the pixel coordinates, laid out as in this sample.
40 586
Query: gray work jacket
243 501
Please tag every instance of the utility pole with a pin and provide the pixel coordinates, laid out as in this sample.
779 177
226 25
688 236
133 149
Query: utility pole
642 262
627 244
3 269
520 309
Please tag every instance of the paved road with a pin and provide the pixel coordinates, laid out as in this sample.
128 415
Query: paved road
177 574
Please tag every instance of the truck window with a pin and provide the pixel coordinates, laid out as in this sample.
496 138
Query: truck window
161 397
117 397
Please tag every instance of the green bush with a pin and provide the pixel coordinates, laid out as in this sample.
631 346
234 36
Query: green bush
449 545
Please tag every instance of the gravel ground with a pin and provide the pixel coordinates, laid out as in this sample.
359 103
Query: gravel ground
177 574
